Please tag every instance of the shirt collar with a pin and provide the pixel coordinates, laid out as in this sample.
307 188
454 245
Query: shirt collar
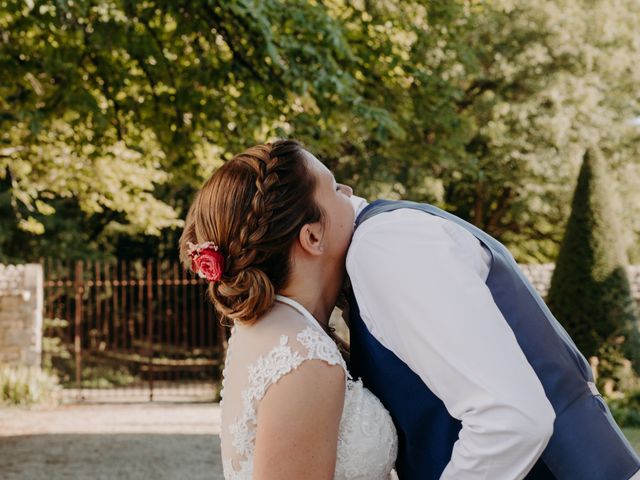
358 204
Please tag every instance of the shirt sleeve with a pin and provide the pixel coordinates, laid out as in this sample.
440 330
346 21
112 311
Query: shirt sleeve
422 294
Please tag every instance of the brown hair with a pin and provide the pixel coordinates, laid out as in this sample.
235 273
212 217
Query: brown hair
253 208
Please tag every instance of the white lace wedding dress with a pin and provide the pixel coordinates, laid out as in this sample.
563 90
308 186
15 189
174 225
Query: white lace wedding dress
258 356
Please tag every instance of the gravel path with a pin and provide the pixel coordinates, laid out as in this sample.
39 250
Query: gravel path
158 441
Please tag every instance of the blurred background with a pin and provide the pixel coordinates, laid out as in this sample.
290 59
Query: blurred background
521 117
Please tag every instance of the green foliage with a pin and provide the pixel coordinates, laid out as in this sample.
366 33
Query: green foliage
120 109
58 360
21 385
112 113
589 291
626 411
633 435
495 102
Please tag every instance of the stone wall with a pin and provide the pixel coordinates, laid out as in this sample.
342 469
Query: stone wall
21 296
540 277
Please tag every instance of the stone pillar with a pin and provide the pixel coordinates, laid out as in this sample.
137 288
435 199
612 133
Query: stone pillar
21 304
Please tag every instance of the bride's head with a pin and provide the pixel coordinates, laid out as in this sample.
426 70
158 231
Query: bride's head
276 216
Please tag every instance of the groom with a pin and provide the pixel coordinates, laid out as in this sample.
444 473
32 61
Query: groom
481 380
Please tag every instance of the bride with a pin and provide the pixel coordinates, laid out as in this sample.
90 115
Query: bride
269 231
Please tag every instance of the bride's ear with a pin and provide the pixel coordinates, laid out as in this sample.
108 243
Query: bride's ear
310 238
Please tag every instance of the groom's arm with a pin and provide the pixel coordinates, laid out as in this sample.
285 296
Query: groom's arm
420 287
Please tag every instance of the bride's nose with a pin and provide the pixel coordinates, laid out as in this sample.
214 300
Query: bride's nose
348 191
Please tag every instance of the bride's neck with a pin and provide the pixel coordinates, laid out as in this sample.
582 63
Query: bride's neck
315 293
314 282
319 309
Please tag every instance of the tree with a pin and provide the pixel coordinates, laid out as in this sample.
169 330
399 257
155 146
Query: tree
493 102
549 76
118 110
589 292
114 112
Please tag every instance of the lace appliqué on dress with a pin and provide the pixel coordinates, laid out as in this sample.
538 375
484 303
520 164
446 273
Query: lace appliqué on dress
321 347
367 442
263 373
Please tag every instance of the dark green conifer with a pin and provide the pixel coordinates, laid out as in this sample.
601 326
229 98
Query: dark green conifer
590 293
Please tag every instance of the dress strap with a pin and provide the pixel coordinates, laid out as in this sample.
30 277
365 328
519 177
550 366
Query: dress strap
297 306
319 343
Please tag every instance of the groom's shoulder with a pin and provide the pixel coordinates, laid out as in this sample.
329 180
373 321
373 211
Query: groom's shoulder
400 220
390 230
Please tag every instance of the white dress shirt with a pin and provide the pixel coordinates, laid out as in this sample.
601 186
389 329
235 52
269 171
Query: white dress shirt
420 285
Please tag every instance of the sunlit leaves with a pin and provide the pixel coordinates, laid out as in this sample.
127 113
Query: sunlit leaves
122 108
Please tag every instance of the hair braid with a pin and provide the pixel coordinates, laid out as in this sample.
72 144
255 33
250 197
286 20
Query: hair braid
244 250
253 208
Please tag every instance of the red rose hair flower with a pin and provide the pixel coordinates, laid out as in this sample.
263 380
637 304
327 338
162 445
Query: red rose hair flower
206 260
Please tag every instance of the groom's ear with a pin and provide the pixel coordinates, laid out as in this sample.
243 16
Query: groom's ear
310 238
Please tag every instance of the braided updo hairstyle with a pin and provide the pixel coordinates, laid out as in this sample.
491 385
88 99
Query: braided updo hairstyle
253 208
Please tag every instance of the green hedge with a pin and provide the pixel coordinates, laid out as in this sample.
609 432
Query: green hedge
626 410
590 292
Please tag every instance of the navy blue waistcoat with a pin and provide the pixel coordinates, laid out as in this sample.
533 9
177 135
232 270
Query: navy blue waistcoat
586 443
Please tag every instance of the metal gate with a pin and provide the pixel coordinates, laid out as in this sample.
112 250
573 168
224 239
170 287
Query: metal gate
129 329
